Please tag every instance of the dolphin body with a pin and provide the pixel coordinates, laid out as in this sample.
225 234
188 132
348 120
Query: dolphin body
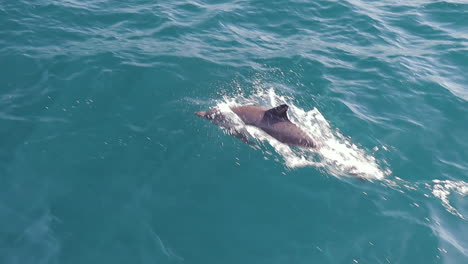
274 122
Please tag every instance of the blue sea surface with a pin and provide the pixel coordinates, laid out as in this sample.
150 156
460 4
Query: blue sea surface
102 159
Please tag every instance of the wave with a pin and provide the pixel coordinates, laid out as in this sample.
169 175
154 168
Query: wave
442 189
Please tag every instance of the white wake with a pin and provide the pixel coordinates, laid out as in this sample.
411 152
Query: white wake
335 153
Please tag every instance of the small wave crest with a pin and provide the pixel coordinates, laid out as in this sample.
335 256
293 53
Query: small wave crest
442 189
335 153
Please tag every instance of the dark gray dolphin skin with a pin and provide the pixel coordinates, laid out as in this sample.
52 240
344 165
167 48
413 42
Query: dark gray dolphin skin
274 122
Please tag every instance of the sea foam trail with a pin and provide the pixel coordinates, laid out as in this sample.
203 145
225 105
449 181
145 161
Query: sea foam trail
335 153
443 189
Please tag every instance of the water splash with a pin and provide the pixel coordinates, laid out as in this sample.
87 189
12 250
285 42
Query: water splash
335 153
443 189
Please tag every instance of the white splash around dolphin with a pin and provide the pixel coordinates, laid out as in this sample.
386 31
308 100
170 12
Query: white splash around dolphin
335 153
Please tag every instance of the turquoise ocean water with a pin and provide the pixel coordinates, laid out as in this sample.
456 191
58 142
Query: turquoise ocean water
102 159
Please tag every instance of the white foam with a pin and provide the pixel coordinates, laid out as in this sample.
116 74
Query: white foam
443 189
335 153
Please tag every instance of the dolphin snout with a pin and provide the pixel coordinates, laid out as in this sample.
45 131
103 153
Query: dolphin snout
201 113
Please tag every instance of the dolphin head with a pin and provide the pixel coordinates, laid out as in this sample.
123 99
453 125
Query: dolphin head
201 113
212 114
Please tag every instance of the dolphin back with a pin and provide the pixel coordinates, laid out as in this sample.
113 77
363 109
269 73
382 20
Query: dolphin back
274 122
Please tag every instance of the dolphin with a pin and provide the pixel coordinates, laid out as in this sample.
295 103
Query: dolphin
274 122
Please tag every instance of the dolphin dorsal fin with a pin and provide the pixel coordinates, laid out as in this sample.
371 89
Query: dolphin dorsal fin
279 112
